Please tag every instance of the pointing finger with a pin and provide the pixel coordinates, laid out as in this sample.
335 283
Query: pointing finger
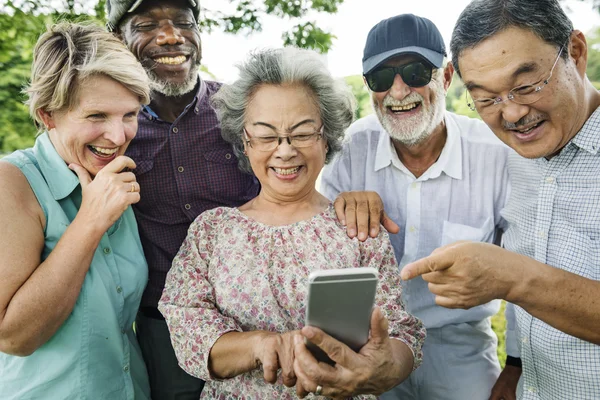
434 262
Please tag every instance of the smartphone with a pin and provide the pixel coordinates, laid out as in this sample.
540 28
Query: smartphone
340 302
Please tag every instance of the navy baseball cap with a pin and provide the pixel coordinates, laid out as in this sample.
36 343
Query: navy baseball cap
403 34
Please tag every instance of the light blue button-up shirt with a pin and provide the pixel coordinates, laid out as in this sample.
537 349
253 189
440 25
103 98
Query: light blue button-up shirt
458 198
94 354
554 217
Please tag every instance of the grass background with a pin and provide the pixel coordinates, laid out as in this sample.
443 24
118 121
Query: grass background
499 326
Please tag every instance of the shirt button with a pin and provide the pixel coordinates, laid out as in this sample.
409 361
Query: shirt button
228 156
119 289
531 389
542 234
412 229
126 368
550 179
123 331
151 118
187 206
413 186
180 169
175 130
524 340
106 250
196 110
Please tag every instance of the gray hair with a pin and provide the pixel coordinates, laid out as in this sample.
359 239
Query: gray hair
67 55
482 19
277 67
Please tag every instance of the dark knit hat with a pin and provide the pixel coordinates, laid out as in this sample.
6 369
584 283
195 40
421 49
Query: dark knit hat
117 9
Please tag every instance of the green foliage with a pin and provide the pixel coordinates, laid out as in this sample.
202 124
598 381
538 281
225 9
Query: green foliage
363 97
17 36
456 100
249 14
499 327
593 66
309 36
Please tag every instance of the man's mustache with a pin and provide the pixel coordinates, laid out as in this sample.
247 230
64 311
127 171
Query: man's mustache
182 48
526 120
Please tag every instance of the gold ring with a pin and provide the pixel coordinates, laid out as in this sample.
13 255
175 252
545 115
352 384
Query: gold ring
132 187
319 390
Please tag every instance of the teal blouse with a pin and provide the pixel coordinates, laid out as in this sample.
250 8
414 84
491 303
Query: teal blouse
94 354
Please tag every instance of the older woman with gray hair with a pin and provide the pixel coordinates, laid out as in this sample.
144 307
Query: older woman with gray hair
235 297
72 266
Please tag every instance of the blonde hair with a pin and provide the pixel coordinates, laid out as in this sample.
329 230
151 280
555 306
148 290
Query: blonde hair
67 55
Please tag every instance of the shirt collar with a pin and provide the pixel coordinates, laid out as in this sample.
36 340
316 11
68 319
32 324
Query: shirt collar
588 138
202 91
61 180
449 162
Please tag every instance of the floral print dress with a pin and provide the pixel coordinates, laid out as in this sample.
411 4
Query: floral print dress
233 273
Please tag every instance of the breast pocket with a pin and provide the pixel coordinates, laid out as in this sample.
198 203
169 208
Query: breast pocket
453 232
227 184
142 167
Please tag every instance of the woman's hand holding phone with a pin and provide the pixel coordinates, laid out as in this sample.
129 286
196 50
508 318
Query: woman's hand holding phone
374 369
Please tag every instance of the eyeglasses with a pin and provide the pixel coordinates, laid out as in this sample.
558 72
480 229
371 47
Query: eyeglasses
265 140
525 94
414 74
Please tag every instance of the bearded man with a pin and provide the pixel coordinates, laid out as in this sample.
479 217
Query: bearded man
442 178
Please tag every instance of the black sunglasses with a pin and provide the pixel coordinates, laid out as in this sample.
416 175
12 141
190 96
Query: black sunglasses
414 74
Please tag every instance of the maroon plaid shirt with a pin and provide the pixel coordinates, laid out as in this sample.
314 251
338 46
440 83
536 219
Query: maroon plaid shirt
183 169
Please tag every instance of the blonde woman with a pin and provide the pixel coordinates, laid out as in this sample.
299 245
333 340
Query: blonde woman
72 265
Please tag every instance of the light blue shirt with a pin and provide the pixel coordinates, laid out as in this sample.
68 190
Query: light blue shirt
458 198
554 217
94 354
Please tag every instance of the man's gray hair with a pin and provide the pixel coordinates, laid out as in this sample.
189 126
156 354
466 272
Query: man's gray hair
482 19
288 65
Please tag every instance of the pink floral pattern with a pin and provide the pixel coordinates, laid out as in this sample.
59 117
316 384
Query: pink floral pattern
235 274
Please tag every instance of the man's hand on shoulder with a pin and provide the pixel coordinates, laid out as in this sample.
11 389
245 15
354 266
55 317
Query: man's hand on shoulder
362 213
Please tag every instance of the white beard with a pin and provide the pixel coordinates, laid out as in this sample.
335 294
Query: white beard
170 89
415 129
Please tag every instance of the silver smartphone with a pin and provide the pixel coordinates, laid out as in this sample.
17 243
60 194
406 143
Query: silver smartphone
340 302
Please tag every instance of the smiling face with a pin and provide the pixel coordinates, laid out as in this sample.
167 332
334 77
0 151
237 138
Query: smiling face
517 57
285 173
98 128
410 115
165 37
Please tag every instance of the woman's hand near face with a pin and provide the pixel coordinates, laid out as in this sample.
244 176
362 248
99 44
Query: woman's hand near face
108 194
274 351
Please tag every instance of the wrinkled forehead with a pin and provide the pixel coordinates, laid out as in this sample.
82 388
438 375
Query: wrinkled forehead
504 58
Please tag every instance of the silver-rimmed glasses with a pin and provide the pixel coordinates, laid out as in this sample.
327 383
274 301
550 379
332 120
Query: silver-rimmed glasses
266 139
524 94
